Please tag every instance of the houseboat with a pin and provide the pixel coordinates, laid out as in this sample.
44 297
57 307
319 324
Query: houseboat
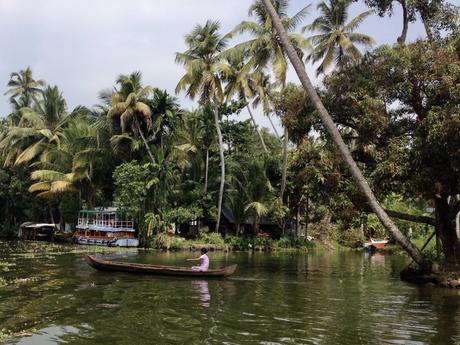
105 227
37 231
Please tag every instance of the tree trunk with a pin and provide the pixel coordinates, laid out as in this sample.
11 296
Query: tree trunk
285 163
206 171
337 139
445 229
143 140
402 37
222 165
324 227
257 129
273 125
429 33
50 208
297 222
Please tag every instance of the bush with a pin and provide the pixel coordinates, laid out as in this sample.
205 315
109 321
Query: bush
238 243
262 240
166 241
352 237
211 238
293 242
178 242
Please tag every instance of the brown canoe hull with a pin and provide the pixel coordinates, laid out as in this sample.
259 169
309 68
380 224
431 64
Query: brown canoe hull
117 266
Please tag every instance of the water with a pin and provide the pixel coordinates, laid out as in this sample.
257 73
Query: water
277 298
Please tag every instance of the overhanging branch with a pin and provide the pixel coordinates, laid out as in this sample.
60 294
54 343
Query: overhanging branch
411 218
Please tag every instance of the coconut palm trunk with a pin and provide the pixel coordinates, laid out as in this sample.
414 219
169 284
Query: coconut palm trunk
273 126
257 129
222 164
206 171
285 162
144 140
299 67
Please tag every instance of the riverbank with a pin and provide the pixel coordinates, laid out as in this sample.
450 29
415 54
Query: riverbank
215 241
446 277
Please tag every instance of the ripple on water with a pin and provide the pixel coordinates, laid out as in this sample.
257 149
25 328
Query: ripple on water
293 299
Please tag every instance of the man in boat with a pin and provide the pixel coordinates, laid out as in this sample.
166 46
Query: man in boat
204 261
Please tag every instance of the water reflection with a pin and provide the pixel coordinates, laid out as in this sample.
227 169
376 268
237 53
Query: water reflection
377 259
278 298
49 335
203 289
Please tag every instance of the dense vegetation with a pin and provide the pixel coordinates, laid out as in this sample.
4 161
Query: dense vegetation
396 107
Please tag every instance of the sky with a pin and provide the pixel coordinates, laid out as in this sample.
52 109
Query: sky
83 45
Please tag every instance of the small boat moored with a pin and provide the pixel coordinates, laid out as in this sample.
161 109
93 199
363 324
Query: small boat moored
117 266
372 245
37 231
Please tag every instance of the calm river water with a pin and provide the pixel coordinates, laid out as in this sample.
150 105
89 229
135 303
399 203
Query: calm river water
48 296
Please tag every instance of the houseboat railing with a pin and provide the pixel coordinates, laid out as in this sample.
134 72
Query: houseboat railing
105 223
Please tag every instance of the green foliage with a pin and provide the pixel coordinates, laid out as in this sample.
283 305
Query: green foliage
183 214
349 237
17 205
293 242
130 181
335 40
130 187
154 224
211 238
262 241
238 243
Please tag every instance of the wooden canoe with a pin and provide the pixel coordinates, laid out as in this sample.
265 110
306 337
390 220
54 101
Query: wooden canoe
117 266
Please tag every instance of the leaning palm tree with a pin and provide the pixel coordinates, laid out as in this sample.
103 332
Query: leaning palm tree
338 140
205 71
265 48
336 41
128 104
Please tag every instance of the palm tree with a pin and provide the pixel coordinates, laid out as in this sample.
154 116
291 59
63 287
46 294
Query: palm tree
22 89
69 166
23 84
259 192
39 128
167 114
205 71
243 83
194 136
265 48
337 139
262 95
251 192
336 41
128 104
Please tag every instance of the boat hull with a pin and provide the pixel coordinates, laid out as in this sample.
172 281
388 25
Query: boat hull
116 266
121 242
373 245
379 244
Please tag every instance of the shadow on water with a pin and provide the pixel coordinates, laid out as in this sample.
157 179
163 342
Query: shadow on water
276 298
